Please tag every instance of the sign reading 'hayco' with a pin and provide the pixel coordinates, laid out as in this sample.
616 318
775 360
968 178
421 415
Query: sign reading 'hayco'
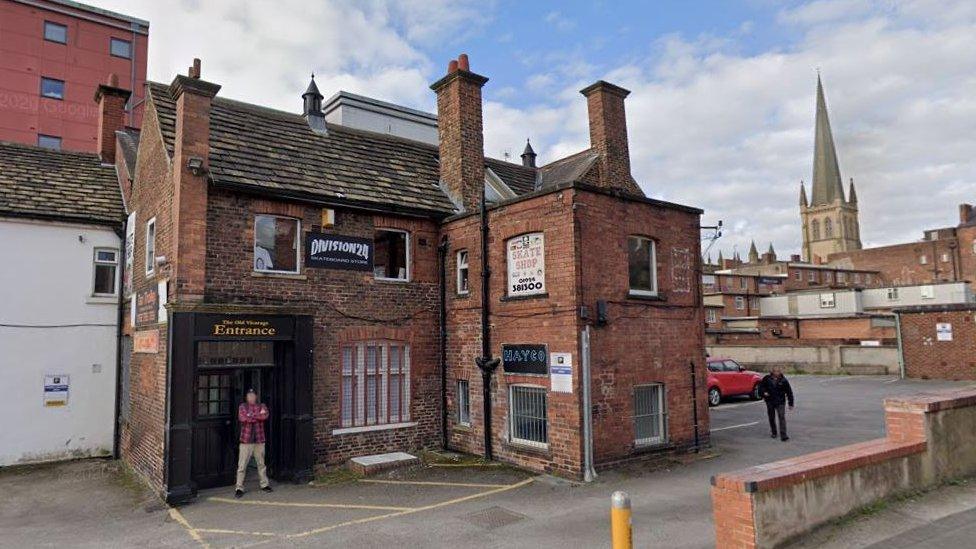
525 359
526 265
330 251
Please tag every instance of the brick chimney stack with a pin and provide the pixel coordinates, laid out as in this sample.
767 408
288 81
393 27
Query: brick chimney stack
608 135
965 213
191 153
459 128
111 101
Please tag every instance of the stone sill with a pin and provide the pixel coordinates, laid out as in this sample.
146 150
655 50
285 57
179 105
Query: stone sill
289 276
646 297
102 300
372 428
521 448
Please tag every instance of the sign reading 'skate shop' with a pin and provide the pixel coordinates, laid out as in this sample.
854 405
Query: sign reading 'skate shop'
331 251
526 265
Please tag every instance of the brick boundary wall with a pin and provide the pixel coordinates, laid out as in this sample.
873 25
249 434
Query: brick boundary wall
929 440
929 356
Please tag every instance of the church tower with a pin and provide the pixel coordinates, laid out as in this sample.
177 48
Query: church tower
829 219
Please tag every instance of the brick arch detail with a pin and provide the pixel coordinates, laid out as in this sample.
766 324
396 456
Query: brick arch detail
278 208
371 333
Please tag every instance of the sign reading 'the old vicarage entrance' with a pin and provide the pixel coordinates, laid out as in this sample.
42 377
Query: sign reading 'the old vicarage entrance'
331 251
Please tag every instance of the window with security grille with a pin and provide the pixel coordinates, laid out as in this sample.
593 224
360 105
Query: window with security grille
463 402
527 412
375 386
649 414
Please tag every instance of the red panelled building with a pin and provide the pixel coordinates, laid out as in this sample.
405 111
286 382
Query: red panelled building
53 56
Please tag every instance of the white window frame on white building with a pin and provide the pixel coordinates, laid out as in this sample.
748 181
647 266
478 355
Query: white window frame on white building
101 261
537 437
151 246
927 292
650 415
463 282
892 294
827 301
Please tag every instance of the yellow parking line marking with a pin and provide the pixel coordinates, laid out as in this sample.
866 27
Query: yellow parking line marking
299 504
194 533
432 483
455 501
237 532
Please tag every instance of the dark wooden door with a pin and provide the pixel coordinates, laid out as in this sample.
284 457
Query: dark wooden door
215 428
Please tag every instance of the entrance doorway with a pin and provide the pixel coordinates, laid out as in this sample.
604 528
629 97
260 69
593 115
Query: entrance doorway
226 370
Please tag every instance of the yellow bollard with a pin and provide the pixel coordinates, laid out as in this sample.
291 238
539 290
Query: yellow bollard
621 535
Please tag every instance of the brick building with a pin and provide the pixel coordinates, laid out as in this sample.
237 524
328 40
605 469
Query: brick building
341 273
939 342
946 254
53 56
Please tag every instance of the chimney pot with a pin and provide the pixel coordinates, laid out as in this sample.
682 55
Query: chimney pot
463 62
113 80
452 66
195 69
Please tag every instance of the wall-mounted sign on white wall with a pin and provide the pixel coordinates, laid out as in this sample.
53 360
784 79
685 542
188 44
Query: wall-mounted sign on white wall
56 391
526 265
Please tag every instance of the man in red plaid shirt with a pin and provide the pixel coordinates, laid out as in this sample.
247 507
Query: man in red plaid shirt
252 416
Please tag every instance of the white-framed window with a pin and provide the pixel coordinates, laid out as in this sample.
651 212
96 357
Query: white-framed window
55 32
392 255
105 275
650 413
528 416
842 278
463 402
375 388
945 258
812 276
276 244
120 48
710 316
740 303
927 292
754 303
642 264
923 259
827 301
462 272
892 294
150 246
798 275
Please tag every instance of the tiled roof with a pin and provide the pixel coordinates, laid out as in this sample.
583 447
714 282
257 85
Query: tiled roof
128 140
569 169
276 151
46 184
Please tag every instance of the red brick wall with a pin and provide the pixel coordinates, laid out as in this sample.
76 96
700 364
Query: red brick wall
928 358
644 341
899 265
142 435
844 329
349 307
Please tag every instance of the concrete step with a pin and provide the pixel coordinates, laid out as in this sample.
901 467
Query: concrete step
370 465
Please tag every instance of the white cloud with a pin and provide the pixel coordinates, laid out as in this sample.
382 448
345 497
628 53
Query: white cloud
559 21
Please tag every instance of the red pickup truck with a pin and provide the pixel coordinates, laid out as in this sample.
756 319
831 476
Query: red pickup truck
727 378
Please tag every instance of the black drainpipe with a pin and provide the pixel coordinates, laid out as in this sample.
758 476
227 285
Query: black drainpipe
116 432
694 405
485 363
442 255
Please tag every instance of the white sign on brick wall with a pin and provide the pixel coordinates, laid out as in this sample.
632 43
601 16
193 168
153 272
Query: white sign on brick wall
943 331
526 265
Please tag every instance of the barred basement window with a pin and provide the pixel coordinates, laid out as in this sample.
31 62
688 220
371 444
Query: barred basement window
649 414
463 402
527 410
375 387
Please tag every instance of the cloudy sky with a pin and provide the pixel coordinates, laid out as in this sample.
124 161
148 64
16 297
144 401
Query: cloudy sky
721 114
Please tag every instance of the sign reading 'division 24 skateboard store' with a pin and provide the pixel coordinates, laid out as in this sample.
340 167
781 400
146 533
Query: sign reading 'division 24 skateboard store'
332 251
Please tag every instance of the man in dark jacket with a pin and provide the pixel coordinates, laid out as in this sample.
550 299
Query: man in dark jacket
776 390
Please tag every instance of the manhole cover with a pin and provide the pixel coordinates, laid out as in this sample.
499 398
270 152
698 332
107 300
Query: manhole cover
494 517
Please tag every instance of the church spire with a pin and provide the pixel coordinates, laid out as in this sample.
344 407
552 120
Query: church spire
753 253
851 195
827 184
803 195
721 260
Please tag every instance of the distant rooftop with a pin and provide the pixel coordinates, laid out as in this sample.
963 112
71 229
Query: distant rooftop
93 10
